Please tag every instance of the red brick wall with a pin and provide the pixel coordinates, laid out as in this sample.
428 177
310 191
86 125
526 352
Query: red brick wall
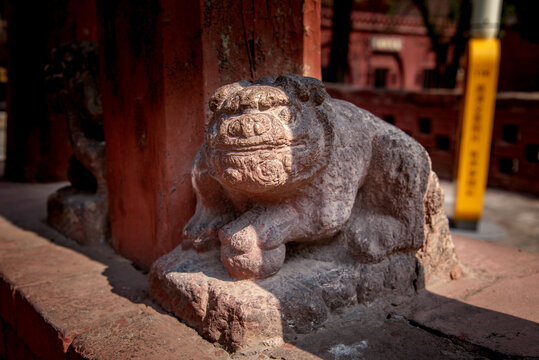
431 117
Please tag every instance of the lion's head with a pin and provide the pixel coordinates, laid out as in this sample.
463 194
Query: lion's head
268 136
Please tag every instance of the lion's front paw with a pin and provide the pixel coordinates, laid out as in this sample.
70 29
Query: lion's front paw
203 235
253 264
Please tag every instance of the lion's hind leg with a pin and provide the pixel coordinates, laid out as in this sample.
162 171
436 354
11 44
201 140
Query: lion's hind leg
388 212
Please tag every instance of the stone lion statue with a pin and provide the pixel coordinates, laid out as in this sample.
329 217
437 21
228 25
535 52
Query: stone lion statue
284 162
79 211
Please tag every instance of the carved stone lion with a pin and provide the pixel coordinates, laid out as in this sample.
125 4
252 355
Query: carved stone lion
288 172
80 211
283 162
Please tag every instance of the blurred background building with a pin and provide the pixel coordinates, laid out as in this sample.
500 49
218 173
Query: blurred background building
404 61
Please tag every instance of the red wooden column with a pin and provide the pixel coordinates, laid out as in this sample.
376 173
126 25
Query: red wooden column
161 61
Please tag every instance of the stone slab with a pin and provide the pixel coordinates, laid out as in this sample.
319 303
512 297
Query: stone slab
491 332
392 338
246 315
493 308
55 299
509 292
495 259
143 335
79 215
14 239
31 271
377 333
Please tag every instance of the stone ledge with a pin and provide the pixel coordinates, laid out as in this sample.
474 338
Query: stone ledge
57 302
71 302
493 308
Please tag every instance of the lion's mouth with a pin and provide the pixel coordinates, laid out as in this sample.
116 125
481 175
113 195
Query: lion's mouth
250 149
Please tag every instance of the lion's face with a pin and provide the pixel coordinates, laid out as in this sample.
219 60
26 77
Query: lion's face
262 140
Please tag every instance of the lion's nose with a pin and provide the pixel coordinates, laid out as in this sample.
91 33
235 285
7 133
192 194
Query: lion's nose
248 126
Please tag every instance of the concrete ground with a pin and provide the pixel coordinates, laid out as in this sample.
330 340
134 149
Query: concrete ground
87 302
509 218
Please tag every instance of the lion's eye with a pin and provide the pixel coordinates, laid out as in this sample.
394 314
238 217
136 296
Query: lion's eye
234 129
286 116
264 104
262 125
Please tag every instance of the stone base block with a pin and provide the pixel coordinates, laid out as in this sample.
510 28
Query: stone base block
245 314
316 281
79 215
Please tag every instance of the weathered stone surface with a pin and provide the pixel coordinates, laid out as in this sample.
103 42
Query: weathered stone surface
80 211
77 214
300 298
437 255
198 289
323 203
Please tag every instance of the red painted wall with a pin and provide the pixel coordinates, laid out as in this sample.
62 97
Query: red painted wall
519 63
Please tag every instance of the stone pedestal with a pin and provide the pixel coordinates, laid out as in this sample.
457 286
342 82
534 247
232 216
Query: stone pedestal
79 215
301 297
315 282
197 289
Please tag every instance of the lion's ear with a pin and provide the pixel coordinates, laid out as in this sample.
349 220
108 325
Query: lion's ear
317 90
294 84
221 94
320 94
305 88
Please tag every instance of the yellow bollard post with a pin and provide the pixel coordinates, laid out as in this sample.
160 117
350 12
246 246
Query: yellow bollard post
478 113
476 130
